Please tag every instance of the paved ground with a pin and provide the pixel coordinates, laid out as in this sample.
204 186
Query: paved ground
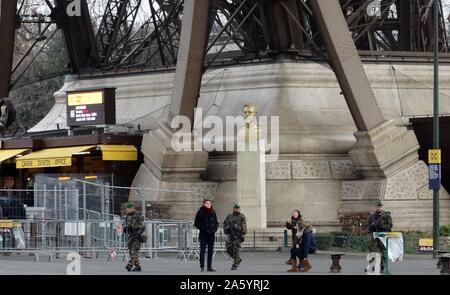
267 263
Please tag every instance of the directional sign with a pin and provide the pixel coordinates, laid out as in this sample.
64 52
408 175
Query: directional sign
434 176
434 156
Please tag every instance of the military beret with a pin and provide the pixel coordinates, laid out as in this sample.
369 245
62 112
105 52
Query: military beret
379 204
130 205
236 206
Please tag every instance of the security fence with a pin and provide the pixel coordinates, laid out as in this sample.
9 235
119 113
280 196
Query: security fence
103 238
94 238
78 199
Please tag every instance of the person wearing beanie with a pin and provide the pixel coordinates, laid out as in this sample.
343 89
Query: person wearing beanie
134 227
235 227
379 221
206 222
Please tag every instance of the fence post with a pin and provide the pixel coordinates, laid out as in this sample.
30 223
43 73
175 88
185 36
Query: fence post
87 240
285 238
65 203
180 240
102 200
254 240
45 200
84 201
55 204
150 239
77 204
35 196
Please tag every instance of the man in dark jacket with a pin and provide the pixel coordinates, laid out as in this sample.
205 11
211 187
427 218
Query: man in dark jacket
380 221
235 227
206 222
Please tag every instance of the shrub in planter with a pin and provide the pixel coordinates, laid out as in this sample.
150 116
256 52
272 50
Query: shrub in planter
324 242
444 231
358 243
340 241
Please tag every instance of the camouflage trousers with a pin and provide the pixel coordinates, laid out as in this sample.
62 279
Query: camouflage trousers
133 247
375 245
233 250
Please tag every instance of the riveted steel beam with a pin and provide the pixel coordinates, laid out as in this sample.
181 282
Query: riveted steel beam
346 63
191 56
7 36
78 36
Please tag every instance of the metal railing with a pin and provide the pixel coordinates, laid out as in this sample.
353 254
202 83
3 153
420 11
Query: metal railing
92 238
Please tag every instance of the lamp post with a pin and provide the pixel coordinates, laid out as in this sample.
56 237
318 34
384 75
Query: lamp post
436 126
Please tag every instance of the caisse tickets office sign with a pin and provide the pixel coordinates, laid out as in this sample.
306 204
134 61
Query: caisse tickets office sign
91 107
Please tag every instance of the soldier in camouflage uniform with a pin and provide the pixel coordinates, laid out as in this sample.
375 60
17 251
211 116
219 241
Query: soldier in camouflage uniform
235 227
380 221
134 227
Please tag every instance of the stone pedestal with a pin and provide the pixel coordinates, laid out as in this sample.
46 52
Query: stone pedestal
387 158
173 177
167 164
251 182
384 150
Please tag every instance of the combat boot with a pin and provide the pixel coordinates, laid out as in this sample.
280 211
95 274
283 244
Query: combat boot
293 265
129 267
306 265
234 267
137 268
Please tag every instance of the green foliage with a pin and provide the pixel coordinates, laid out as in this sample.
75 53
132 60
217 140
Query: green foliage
324 241
339 241
444 231
32 95
358 243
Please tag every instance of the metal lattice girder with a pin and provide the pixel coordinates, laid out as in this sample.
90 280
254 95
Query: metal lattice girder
155 43
7 27
404 25
115 28
347 65
191 57
78 35
242 30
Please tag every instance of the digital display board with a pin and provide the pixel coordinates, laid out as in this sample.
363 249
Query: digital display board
91 107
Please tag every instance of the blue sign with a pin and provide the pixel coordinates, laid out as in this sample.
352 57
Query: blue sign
434 176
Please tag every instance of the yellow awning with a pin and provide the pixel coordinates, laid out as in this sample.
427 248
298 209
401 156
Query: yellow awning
55 157
112 152
6 154
9 224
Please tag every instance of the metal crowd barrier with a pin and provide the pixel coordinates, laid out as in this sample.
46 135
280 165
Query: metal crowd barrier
91 238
